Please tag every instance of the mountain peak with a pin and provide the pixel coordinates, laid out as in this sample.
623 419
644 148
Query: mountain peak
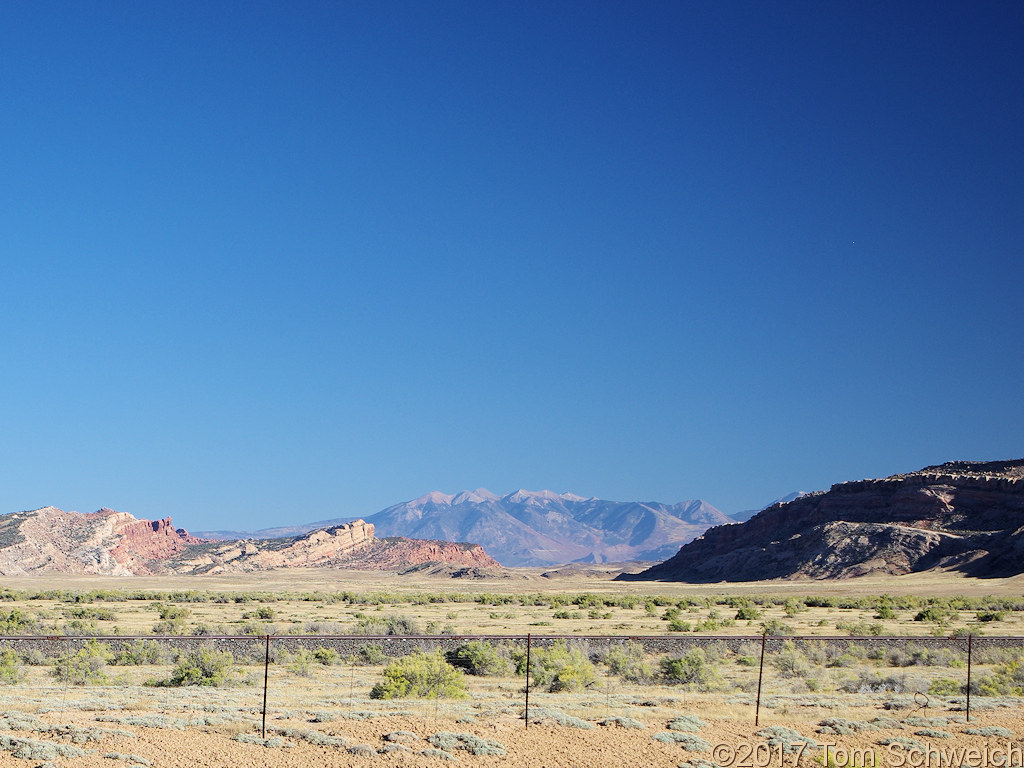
434 497
535 496
479 496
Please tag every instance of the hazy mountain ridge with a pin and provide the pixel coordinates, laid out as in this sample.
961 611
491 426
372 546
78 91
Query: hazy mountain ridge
49 540
960 516
540 528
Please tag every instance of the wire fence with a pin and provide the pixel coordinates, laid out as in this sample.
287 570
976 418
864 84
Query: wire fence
321 676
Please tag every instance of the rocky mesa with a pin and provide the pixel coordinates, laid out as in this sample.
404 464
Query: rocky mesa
49 540
962 516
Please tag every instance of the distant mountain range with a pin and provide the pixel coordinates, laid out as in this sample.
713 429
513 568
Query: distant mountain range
534 528
963 516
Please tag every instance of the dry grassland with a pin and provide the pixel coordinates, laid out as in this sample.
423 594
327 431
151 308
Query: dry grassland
323 714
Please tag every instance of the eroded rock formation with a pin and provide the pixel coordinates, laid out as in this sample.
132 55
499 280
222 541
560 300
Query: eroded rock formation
963 516
49 540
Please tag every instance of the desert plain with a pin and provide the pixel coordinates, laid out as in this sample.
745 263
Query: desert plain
873 669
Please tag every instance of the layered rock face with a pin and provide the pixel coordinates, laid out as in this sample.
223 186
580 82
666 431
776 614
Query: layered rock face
964 516
50 540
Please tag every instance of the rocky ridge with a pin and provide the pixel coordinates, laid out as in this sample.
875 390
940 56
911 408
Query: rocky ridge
962 516
49 540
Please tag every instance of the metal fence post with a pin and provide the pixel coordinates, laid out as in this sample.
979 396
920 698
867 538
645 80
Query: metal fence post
760 675
970 643
266 674
526 714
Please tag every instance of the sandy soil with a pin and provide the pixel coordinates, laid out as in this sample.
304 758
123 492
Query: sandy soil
733 742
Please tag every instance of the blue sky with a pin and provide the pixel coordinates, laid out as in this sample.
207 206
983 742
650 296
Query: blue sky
277 262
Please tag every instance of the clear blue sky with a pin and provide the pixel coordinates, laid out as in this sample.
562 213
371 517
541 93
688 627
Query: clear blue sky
272 262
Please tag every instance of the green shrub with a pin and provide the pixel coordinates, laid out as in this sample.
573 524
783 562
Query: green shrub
171 612
790 661
748 613
945 686
17 622
936 614
1006 680
140 652
991 615
369 655
793 606
11 671
421 675
205 666
326 656
691 669
479 658
387 625
300 662
776 627
629 662
559 667
86 665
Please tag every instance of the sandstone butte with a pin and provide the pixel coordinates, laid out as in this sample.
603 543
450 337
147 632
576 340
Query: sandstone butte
49 540
960 516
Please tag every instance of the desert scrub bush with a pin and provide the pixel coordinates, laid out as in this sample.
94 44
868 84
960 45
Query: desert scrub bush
687 741
326 656
387 625
450 742
17 622
299 663
792 607
560 667
140 652
1006 680
860 628
421 675
324 628
556 716
790 661
369 655
936 614
840 726
687 724
775 627
87 665
30 749
629 662
748 613
945 686
787 738
992 731
692 669
990 616
272 742
263 613
11 671
205 666
312 736
479 658
916 655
